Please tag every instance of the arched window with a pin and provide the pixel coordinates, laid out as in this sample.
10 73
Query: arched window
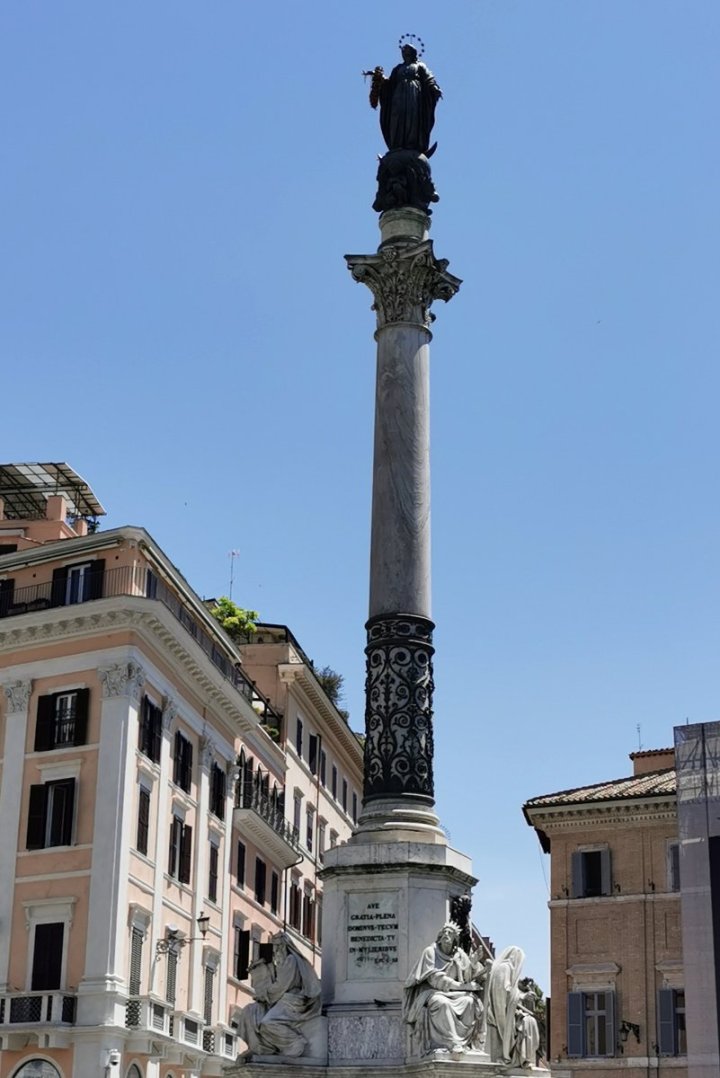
134 1071
37 1068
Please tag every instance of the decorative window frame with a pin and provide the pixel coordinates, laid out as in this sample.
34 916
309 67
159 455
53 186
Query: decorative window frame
48 911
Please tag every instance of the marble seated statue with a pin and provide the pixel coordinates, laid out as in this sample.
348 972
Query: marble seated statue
442 1001
287 994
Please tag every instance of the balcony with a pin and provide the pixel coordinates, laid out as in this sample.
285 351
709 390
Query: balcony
137 582
40 1014
262 819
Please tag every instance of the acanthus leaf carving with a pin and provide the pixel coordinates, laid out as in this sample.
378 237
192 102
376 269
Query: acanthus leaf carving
404 282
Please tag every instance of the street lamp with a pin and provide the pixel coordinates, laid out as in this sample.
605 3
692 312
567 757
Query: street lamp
173 941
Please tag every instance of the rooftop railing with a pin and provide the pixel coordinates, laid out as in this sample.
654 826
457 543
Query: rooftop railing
139 582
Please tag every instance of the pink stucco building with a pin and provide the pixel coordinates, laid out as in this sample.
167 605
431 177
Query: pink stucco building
165 798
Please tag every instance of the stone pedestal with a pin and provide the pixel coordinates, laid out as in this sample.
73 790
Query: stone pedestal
383 902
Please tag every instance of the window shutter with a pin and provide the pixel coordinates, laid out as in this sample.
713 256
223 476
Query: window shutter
155 734
213 873
260 873
185 854
36 818
143 826
208 1000
243 955
610 1023
606 872
222 793
274 891
186 768
136 946
171 977
666 1021
241 864
312 753
97 578
59 580
47 957
173 852
82 706
177 758
576 1003
44 724
577 889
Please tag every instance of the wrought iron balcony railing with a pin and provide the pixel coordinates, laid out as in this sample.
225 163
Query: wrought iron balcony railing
139 582
270 809
34 1008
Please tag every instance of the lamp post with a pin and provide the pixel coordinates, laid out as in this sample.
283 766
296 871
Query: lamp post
173 941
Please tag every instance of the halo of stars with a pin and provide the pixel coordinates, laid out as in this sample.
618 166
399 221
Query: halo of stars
408 39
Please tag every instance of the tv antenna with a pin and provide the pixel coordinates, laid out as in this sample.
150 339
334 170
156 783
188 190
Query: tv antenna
232 556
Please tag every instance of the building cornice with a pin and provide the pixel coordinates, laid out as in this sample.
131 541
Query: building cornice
158 627
303 682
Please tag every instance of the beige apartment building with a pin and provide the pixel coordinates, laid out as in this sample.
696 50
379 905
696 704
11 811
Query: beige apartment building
150 779
617 979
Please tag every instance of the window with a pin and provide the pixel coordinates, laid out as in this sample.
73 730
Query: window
240 869
62 720
7 592
318 919
297 809
591 873
143 821
344 795
299 737
78 583
241 954
150 731
213 873
333 782
673 866
591 1024
274 892
313 753
323 767
50 814
218 788
47 957
295 904
321 841
354 807
333 839
135 973
260 877
180 854
182 763
308 915
672 1037
171 976
309 827
208 995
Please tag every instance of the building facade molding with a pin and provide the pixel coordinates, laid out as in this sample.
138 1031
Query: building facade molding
18 695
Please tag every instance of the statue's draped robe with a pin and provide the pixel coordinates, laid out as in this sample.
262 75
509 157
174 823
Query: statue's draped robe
407 107
440 1014
273 1023
512 1032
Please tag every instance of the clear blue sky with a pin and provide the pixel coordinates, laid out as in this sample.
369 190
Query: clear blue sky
179 184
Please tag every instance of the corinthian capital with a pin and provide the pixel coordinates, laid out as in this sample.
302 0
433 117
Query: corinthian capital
122 679
404 281
18 695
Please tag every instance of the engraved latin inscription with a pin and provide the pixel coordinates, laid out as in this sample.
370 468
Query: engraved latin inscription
372 934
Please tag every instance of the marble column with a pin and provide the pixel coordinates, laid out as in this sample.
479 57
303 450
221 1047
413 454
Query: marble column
405 278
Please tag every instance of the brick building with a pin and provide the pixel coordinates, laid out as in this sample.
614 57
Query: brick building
617 979
149 841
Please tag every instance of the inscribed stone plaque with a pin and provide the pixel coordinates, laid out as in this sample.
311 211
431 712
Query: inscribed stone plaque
372 934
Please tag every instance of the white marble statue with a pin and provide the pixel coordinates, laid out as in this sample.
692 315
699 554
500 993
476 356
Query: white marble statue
512 1030
287 994
442 1002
